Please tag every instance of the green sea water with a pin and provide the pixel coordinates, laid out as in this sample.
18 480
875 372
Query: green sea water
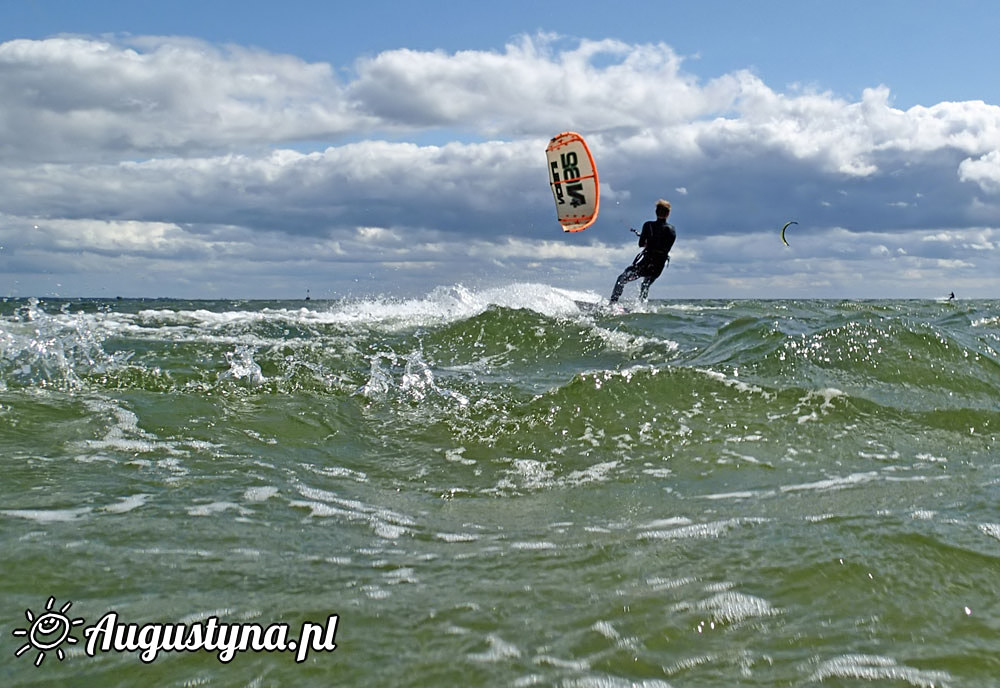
506 487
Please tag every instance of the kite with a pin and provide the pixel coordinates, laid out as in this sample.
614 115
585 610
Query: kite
793 222
573 178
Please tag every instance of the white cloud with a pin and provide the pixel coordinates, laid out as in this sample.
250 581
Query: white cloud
167 149
533 89
73 98
984 171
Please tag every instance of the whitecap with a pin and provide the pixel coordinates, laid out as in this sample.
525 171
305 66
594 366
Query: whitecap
991 529
534 545
699 530
614 682
456 537
47 515
127 504
499 649
215 508
456 302
878 668
259 493
838 483
732 607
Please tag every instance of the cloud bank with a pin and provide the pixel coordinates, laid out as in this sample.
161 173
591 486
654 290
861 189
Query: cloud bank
169 166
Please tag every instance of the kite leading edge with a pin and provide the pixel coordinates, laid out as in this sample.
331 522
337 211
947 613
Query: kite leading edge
793 222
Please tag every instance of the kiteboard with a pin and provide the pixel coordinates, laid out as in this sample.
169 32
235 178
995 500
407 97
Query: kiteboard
602 308
573 178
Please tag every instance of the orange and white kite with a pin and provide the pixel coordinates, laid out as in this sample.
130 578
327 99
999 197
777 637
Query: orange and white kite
573 178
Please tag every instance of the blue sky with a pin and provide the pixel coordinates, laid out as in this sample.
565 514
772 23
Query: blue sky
259 149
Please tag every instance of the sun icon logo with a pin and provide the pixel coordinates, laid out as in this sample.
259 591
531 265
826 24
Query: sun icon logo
47 632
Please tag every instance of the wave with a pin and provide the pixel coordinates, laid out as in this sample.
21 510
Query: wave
524 339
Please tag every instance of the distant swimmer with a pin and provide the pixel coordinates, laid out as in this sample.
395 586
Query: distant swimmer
657 238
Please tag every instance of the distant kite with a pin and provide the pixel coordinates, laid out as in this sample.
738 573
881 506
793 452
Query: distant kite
573 178
793 222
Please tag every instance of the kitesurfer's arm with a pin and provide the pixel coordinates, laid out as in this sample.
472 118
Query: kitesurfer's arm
644 237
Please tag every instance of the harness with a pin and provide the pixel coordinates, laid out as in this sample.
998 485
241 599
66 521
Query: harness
642 254
652 253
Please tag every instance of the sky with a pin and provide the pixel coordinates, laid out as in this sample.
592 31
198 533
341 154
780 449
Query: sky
264 150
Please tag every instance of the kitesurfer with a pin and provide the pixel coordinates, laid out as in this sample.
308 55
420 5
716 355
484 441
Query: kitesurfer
657 238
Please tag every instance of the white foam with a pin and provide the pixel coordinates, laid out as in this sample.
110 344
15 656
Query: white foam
127 504
657 583
621 340
55 349
738 385
833 483
340 472
533 473
877 668
578 665
123 433
534 545
319 509
387 531
696 308
614 682
456 537
666 522
991 529
449 303
215 508
499 650
730 495
386 523
375 592
594 474
456 456
695 530
242 366
259 493
47 515
606 629
732 607
827 395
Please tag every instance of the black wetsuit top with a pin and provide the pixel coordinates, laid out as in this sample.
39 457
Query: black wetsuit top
657 238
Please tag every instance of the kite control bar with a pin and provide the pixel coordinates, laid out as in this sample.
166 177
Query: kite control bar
632 229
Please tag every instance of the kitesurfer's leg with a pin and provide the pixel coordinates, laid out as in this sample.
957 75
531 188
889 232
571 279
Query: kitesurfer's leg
628 275
647 282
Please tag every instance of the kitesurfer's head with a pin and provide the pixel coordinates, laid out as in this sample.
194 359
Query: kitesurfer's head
662 208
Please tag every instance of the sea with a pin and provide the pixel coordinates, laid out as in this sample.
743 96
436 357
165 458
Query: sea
509 486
